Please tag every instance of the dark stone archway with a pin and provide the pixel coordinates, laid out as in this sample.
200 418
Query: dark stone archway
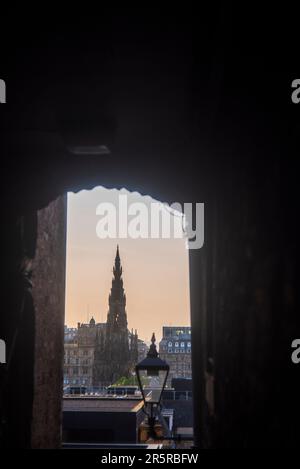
182 125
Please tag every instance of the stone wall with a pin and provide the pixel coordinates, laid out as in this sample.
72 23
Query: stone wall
49 303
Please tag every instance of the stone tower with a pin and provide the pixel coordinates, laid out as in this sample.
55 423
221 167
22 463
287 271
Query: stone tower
116 350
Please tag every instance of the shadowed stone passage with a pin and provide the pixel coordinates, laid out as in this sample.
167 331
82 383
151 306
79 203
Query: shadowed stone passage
115 356
194 108
49 303
20 233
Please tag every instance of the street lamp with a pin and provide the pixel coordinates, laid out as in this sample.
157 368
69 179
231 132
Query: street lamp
152 374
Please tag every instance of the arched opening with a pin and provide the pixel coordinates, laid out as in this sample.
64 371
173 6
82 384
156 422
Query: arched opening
151 295
155 269
155 279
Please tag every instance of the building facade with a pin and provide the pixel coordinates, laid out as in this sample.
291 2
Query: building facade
142 350
79 356
175 348
98 354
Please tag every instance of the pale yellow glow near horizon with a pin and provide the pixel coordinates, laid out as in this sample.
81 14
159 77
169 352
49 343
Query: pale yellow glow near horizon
155 271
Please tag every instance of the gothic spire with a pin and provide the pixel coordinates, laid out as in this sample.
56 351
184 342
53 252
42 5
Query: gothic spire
117 270
117 298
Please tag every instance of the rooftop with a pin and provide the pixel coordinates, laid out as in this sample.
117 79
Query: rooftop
104 404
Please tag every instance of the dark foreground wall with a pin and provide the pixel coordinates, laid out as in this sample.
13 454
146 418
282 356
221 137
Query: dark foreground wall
194 108
244 296
33 297
49 304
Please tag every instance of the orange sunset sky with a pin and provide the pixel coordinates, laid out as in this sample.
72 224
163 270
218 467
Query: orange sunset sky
155 271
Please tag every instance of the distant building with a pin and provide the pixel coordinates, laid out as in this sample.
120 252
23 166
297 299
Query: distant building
116 351
175 348
178 403
80 345
98 354
102 420
142 350
70 334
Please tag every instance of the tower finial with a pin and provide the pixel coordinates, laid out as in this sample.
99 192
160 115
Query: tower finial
152 353
117 270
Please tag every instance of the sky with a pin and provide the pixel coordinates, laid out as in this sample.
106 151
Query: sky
155 271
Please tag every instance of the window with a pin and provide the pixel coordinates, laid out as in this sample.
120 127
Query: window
176 344
189 344
170 344
170 350
182 345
